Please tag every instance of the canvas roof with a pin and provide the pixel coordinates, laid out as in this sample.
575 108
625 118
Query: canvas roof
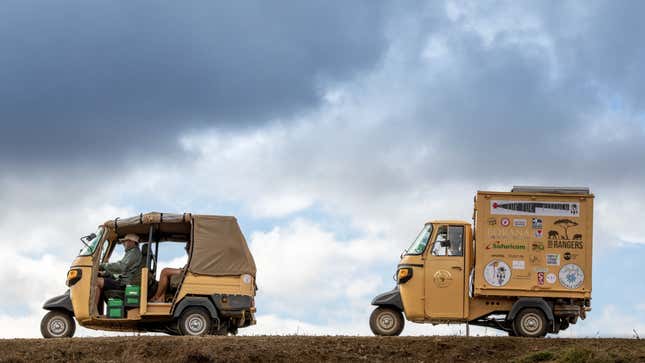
218 245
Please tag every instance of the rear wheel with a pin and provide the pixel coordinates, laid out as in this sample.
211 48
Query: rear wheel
57 324
530 322
195 322
386 321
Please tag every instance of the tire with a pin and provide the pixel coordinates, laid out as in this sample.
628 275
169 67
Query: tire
57 324
195 321
386 321
531 323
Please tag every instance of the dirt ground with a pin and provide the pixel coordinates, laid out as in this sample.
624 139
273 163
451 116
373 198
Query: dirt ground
315 349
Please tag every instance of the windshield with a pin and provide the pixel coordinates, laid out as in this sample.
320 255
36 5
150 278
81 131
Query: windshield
419 244
91 244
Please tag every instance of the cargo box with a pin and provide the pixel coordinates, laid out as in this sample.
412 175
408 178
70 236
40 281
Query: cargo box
530 243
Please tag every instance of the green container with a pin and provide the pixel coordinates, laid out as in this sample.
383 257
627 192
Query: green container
115 302
116 312
132 295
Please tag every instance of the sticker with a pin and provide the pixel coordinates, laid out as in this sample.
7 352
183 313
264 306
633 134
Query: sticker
553 260
536 223
517 257
519 222
492 221
570 256
540 269
540 278
550 278
497 273
572 245
530 208
538 233
535 260
505 222
246 279
504 246
566 237
571 276
518 264
442 278
537 246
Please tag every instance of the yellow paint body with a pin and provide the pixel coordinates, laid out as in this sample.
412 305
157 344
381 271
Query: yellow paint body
546 253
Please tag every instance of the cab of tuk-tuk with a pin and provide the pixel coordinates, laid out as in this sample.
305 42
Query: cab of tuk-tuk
212 294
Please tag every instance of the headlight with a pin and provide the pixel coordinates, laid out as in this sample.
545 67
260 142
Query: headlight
73 276
404 274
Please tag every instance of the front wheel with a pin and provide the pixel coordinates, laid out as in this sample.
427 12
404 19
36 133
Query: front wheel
57 324
195 322
530 323
386 321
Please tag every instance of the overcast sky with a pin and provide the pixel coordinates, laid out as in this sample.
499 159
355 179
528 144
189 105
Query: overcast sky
333 130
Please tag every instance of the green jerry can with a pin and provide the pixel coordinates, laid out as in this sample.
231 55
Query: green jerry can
132 296
115 308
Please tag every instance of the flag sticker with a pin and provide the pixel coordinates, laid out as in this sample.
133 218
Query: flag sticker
531 208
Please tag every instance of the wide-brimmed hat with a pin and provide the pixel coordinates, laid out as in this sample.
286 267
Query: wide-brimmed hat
130 237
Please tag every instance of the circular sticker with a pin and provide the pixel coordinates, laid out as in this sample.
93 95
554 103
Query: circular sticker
497 273
550 278
505 222
246 279
571 276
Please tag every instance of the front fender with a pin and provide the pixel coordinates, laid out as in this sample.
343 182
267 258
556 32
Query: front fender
390 298
61 302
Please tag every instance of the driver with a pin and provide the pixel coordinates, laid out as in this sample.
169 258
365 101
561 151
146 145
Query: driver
127 269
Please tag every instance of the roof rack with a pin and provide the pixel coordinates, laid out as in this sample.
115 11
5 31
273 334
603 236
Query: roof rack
550 190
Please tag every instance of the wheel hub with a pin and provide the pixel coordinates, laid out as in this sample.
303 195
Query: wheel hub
531 323
57 326
386 321
195 324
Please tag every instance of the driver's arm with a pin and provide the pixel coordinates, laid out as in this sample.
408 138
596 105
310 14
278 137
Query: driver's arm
119 267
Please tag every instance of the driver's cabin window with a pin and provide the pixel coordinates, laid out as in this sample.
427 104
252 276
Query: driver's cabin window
449 241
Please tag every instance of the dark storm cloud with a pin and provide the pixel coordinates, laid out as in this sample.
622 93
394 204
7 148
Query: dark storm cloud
561 104
110 76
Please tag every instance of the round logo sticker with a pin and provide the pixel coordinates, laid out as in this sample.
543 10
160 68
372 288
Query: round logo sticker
497 273
550 278
505 222
246 279
571 276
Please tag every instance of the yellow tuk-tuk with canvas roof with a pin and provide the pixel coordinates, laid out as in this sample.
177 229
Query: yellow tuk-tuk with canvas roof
213 294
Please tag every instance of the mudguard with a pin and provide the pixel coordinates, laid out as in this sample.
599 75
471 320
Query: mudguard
390 298
527 302
61 302
191 301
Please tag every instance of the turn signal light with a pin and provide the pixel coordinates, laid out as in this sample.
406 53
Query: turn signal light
73 276
404 274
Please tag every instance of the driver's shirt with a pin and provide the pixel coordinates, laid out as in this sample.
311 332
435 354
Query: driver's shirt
128 267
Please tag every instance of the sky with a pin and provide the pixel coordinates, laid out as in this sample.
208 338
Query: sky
332 130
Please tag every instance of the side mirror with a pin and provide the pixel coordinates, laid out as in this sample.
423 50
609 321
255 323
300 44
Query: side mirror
445 243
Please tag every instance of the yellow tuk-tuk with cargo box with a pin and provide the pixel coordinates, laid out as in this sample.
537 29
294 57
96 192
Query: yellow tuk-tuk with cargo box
525 269
214 293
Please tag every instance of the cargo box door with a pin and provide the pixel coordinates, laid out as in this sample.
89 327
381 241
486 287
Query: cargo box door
444 270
